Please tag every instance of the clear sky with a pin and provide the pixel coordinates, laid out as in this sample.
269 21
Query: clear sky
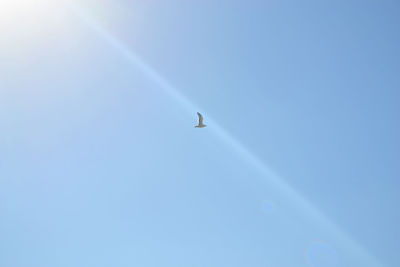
100 164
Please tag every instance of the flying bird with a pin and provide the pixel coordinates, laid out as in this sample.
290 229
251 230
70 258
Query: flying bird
200 125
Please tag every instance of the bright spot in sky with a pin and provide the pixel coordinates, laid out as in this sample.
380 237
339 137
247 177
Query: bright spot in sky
28 29
22 15
14 10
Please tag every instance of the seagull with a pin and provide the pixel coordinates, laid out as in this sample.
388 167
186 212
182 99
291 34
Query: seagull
200 125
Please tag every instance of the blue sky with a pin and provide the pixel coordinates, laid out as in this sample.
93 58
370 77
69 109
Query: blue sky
100 164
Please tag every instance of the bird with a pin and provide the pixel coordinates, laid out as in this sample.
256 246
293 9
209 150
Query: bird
200 125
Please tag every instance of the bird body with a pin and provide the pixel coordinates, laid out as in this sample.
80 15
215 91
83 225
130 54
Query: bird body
201 124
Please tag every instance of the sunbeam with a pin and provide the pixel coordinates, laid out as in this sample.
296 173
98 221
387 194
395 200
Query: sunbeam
269 175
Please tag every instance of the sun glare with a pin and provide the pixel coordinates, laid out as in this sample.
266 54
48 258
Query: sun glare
28 29
21 15
22 21
11 10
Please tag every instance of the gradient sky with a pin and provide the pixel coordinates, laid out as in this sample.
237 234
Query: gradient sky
100 164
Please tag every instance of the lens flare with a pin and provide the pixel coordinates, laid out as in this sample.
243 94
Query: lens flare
322 254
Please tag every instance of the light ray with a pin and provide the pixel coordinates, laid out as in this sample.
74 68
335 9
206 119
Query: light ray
298 200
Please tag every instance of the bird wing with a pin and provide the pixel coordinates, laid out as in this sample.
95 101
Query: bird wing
200 118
